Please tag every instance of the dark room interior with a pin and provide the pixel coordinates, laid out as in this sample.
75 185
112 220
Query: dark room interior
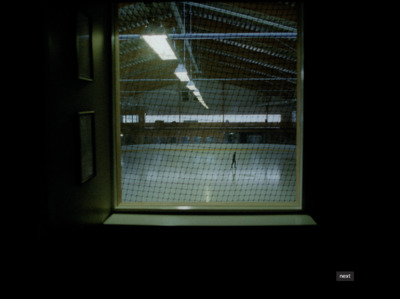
74 211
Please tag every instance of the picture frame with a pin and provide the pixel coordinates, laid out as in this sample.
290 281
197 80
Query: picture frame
87 145
84 48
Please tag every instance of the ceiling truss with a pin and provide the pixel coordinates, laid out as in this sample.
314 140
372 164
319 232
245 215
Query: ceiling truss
238 43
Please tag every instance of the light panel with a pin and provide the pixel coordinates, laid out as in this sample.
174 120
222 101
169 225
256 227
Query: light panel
181 73
191 85
196 92
200 99
160 45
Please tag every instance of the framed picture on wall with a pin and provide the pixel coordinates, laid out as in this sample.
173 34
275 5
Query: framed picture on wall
87 146
84 46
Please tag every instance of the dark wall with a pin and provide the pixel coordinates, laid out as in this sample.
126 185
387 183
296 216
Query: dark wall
69 203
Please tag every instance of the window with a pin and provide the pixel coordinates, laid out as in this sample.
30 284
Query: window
294 116
233 118
274 118
227 135
130 119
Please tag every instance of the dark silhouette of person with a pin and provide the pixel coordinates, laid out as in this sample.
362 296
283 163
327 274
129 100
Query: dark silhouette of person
233 160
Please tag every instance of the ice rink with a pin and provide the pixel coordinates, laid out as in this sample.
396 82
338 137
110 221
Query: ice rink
190 173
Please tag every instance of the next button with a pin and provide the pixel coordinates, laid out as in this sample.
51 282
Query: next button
344 276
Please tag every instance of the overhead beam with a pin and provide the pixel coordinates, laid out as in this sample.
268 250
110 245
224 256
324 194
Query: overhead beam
187 36
247 60
272 23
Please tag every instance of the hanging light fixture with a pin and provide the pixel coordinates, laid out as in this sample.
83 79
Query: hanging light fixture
191 85
196 92
200 99
156 37
181 73
160 45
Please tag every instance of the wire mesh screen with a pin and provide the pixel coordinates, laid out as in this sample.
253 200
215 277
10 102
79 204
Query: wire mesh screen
208 103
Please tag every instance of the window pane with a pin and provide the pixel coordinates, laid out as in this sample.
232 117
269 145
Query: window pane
227 138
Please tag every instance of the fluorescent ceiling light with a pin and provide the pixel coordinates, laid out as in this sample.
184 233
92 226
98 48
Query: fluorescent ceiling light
181 73
160 45
200 98
191 86
196 92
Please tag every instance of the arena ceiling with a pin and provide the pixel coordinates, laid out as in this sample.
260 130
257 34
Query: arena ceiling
249 45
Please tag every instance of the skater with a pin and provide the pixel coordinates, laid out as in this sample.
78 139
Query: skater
233 160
